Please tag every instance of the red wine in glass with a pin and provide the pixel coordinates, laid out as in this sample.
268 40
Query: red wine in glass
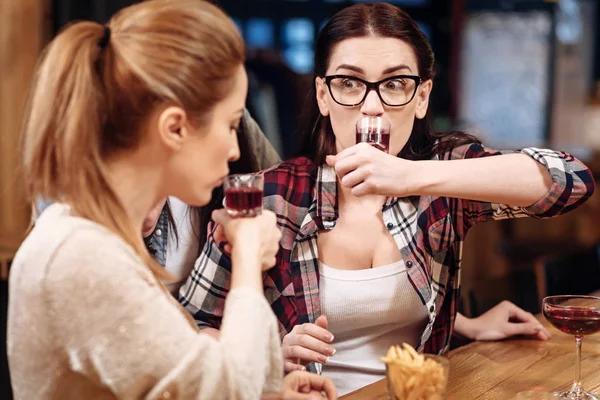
379 140
243 199
575 321
243 195
578 316
375 131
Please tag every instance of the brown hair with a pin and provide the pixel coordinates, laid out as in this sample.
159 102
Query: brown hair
383 20
89 102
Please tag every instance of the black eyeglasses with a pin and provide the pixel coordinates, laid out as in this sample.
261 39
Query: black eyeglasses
394 91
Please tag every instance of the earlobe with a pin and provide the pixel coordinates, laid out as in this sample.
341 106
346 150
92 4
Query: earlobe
321 90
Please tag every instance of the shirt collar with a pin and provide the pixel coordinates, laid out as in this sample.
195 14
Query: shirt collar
325 196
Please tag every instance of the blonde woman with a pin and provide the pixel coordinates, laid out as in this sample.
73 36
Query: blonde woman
121 116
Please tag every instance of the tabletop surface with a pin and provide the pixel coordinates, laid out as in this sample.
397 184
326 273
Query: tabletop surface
499 370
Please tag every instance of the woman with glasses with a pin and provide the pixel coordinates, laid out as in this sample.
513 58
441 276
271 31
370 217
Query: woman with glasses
371 248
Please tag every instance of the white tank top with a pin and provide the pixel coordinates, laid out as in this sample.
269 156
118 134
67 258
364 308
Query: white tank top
368 311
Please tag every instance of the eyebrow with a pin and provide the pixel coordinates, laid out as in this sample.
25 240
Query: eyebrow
385 71
350 67
396 68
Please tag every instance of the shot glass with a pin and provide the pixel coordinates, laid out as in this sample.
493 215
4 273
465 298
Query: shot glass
375 131
244 195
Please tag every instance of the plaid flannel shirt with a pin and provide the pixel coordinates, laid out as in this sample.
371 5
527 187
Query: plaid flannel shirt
429 232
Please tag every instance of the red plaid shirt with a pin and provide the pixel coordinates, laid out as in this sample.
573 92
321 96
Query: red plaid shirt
429 232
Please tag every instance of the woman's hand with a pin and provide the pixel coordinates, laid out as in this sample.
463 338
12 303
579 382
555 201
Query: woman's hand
259 235
502 321
301 385
306 343
370 171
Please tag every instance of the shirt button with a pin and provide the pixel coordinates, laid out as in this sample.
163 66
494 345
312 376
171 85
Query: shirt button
390 226
158 232
409 264
431 309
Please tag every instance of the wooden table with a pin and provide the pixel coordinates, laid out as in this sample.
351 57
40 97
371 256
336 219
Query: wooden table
499 370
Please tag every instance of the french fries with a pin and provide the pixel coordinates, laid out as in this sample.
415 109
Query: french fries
411 376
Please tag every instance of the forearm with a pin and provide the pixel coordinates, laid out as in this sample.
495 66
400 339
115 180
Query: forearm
513 179
463 326
246 269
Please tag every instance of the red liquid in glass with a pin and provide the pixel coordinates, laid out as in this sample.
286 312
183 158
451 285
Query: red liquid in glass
575 321
380 141
243 199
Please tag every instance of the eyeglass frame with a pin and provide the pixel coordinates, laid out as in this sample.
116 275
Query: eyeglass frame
373 86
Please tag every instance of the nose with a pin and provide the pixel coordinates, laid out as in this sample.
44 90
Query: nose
234 151
372 106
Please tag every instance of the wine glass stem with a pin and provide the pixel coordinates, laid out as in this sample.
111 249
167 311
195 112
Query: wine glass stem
577 383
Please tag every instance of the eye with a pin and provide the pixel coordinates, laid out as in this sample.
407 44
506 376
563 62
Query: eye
396 84
349 83
235 127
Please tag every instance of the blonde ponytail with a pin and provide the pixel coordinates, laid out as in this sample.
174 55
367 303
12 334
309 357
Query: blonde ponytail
90 99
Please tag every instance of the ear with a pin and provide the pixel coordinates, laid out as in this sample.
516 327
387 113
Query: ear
322 93
172 122
423 93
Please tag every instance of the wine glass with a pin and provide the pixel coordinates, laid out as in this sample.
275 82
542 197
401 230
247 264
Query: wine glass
578 316
537 395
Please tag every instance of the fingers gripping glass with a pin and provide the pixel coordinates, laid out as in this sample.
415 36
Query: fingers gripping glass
394 91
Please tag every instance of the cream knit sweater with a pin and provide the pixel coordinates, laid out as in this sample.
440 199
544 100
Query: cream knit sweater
87 320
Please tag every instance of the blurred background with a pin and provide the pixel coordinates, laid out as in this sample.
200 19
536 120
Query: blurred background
514 72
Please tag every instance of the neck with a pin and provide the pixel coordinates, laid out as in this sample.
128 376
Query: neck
135 184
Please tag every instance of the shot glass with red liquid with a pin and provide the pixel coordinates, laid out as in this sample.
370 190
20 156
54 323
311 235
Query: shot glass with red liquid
375 131
243 195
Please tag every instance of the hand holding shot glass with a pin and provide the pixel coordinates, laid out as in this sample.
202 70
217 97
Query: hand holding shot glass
244 195
375 131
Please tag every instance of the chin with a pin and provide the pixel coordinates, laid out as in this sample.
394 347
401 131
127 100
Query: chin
196 199
204 197
201 201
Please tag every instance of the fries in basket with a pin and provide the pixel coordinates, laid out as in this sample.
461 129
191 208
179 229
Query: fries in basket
413 376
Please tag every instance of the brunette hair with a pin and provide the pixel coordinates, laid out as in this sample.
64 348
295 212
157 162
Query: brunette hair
380 20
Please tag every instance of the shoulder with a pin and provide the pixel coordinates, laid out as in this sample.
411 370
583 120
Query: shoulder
290 184
301 167
298 173
77 247
71 261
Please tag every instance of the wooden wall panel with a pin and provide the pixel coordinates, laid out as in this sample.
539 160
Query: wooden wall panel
22 33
